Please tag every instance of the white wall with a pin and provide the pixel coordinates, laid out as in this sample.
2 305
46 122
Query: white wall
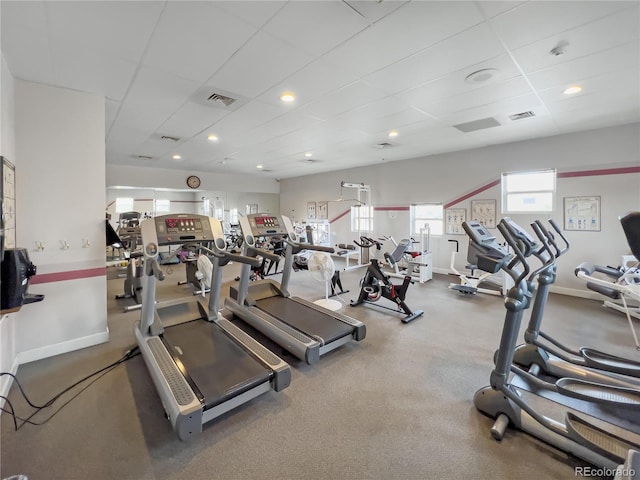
120 175
60 178
447 177
8 353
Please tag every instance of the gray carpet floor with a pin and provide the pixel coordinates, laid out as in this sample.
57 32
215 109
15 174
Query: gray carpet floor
397 405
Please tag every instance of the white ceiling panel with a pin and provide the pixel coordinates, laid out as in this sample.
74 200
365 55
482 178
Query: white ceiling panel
398 121
121 29
374 11
196 28
82 69
248 116
28 54
255 13
259 65
153 97
343 100
331 23
411 28
500 110
533 21
481 96
588 119
495 8
581 69
191 119
473 45
24 14
598 36
454 83
111 109
309 83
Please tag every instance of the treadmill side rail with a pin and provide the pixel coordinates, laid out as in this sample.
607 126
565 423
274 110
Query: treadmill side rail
281 369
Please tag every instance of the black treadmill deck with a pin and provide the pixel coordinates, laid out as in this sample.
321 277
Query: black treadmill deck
305 319
218 366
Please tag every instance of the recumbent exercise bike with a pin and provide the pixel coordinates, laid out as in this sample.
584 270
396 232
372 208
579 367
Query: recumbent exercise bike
376 285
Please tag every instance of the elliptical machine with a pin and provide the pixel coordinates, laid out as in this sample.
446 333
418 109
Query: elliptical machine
376 285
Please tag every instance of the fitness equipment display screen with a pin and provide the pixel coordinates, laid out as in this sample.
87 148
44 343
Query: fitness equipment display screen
180 225
266 225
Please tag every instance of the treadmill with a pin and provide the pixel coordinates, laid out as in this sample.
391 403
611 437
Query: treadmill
304 329
201 364
595 422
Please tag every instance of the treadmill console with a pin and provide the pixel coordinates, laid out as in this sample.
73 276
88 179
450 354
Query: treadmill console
266 225
179 228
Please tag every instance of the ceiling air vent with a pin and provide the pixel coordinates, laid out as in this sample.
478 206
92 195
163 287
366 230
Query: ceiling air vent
384 145
173 139
217 98
144 157
521 115
477 125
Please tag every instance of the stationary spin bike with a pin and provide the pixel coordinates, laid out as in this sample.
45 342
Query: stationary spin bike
376 285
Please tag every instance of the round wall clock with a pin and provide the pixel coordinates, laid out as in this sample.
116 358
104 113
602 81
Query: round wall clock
193 181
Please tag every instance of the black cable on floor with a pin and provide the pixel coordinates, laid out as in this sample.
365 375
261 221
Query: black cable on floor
135 351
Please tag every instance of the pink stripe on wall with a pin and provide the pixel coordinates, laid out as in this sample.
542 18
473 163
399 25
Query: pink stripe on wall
604 171
69 275
471 194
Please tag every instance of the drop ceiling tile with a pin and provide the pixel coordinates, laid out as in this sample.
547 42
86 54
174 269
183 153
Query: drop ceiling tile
352 96
401 121
111 110
533 21
500 110
455 53
374 11
454 83
154 96
489 94
191 119
591 39
88 71
309 83
194 39
120 29
411 28
248 116
583 68
255 13
260 64
31 15
495 8
331 23
28 54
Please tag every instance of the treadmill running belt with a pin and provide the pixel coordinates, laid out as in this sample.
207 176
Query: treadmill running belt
219 367
305 319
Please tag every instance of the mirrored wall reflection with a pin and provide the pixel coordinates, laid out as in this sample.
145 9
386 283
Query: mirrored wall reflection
150 202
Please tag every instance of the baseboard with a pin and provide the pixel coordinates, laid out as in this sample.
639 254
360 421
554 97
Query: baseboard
6 381
63 347
574 292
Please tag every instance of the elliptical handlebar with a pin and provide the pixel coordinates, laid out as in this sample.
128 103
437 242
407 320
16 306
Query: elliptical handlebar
519 255
558 230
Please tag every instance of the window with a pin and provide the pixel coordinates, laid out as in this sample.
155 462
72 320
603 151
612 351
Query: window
233 216
361 218
423 214
528 192
124 205
162 206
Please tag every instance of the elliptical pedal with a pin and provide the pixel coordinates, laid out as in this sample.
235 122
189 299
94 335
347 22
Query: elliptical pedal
466 289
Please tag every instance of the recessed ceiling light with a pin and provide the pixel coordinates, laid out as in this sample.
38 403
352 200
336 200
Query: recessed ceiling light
308 154
287 97
259 167
393 133
177 157
572 90
212 137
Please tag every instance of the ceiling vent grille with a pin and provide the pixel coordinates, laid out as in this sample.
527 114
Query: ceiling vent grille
217 98
477 125
521 115
173 139
144 157
384 145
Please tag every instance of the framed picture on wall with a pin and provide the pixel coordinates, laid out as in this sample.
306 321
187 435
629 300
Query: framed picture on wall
323 210
8 202
311 210
582 213
484 211
453 218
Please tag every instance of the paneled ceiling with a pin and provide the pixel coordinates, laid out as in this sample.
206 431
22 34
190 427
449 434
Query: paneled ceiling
359 70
